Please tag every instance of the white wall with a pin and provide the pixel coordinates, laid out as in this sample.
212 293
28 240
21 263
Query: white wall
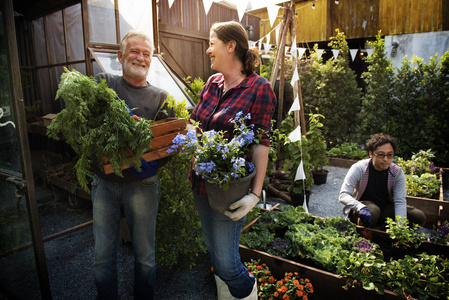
423 45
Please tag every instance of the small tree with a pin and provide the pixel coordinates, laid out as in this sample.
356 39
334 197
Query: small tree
379 88
332 87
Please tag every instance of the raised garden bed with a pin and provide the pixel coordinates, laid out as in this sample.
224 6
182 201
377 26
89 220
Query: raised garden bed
326 284
341 162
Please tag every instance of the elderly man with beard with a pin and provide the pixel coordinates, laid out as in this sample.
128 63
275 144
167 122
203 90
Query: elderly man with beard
136 194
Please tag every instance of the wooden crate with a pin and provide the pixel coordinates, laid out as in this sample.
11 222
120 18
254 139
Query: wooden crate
164 131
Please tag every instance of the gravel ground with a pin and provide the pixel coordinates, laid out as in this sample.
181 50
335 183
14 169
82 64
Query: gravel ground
70 258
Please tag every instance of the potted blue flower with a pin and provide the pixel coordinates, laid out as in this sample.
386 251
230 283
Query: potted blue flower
220 161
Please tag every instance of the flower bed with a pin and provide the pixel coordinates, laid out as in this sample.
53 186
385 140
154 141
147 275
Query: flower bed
333 245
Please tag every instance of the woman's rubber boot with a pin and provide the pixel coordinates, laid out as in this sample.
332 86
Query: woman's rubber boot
224 293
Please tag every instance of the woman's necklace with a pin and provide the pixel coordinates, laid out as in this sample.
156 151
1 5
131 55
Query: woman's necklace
230 85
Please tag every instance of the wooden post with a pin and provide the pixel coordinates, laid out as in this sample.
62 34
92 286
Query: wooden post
298 115
281 48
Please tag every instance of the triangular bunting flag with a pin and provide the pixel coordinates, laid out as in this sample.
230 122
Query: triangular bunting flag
335 52
260 45
207 4
300 172
295 135
278 35
370 51
295 77
266 47
170 3
301 52
304 204
286 50
251 44
293 49
295 105
319 52
273 11
353 53
241 8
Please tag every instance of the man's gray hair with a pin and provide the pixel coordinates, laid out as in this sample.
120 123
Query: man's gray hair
133 33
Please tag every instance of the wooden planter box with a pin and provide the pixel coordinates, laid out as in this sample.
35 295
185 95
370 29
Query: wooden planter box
341 162
326 285
164 131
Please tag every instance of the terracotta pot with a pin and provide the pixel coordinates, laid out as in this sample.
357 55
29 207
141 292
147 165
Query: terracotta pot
219 199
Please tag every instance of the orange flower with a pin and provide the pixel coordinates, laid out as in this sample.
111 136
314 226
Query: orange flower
299 293
267 272
296 273
276 294
295 282
259 268
308 284
286 297
301 287
311 291
290 274
280 282
270 298
307 280
260 279
284 289
304 297
264 265
271 279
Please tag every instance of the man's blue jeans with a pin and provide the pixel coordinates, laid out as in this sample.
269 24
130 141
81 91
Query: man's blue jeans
140 202
222 236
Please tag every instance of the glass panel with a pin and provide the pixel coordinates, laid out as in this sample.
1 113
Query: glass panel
55 34
18 276
39 42
45 91
158 76
75 32
102 21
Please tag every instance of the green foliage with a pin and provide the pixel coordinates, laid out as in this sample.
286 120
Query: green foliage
379 88
195 88
427 185
96 122
420 163
316 146
177 212
405 235
332 87
293 153
348 150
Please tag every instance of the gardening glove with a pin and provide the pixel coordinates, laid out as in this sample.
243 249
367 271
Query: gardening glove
241 207
365 216
148 168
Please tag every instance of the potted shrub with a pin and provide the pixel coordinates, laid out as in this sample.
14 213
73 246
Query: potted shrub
316 147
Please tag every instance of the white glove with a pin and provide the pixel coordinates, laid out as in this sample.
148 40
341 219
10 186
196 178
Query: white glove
241 207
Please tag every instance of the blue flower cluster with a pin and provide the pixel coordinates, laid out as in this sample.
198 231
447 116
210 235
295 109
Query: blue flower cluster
217 158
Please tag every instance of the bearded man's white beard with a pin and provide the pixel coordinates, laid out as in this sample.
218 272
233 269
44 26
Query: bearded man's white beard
136 71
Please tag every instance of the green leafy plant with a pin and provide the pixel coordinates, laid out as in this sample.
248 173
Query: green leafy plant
177 211
292 286
293 154
195 88
420 163
333 84
316 146
441 234
96 122
404 235
348 150
427 185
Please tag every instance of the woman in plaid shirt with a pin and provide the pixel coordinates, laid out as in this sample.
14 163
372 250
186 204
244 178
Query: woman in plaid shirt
236 88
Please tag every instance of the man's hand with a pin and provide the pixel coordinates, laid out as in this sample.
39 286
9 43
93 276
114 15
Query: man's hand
365 216
148 168
241 207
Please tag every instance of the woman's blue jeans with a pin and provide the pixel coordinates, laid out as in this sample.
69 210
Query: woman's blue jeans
222 236
139 201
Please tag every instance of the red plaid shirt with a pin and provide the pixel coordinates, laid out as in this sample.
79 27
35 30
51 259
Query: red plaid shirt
253 95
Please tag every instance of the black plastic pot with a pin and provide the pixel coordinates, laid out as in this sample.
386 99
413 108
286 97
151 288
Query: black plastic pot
320 178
